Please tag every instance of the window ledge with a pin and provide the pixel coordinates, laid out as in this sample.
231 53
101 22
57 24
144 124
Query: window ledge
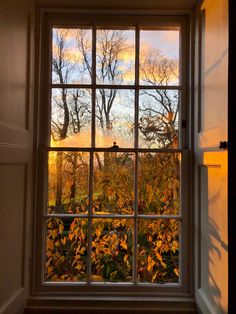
59 304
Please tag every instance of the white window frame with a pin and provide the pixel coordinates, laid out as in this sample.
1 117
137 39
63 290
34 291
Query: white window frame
48 18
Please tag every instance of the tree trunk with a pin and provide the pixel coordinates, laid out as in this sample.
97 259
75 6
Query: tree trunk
73 174
59 162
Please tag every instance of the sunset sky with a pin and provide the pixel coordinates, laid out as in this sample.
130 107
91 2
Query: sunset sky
122 112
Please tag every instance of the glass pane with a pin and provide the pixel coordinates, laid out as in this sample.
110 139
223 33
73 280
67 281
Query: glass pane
71 56
68 176
159 57
66 249
159 119
159 183
158 251
71 117
114 117
115 57
113 190
112 250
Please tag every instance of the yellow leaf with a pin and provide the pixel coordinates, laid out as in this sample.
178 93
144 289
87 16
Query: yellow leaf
79 266
61 228
175 246
176 271
54 277
57 244
125 257
159 257
71 236
154 276
151 263
49 269
62 259
113 275
50 244
76 231
63 241
96 278
123 244
94 244
54 233
98 232
149 238
158 244
80 250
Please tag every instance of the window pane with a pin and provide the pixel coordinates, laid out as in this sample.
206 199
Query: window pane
159 183
71 56
159 119
112 250
159 57
114 117
66 249
115 57
158 251
71 117
68 176
113 190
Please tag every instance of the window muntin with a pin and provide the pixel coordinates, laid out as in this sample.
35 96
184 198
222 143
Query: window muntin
136 218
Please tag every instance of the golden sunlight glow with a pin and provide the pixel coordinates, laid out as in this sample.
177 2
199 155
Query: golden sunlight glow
76 140
217 159
102 140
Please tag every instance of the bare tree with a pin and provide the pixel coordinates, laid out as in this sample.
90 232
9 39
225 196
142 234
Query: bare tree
70 110
160 108
110 45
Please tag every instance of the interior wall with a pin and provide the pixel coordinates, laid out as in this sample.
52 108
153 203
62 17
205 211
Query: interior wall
16 142
211 115
122 4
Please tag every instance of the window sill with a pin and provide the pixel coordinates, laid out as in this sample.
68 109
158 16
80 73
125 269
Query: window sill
92 304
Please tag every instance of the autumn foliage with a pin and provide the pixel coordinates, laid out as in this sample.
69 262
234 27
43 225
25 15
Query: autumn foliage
112 239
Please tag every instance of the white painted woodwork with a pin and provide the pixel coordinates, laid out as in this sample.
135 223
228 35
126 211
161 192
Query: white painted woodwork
16 130
16 135
122 4
211 250
12 228
214 74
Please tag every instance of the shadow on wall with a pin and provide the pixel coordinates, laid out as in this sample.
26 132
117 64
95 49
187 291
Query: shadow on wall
213 249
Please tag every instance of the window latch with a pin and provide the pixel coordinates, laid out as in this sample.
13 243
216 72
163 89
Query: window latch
223 145
115 146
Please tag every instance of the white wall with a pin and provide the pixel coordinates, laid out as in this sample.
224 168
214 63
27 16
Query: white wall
16 142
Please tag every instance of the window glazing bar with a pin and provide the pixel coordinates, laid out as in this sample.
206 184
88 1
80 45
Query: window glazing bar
113 86
116 150
113 216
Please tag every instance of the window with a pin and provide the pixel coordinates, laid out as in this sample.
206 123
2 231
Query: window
114 193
